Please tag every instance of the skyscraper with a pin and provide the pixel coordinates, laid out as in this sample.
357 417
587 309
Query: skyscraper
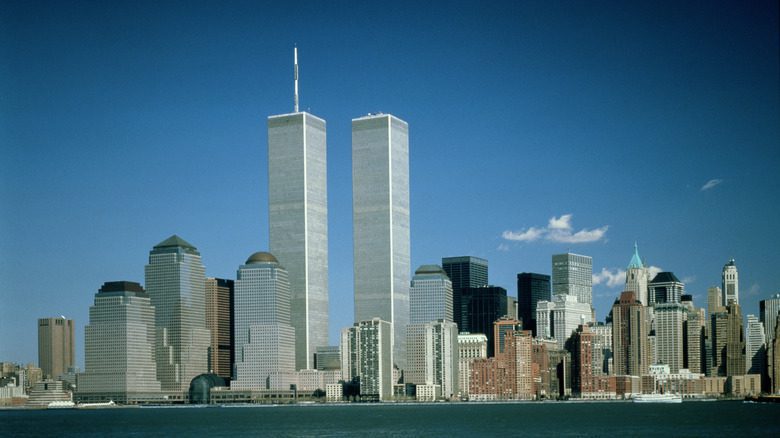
669 334
483 306
730 283
531 288
219 320
464 271
56 348
572 274
665 288
768 311
298 221
629 336
636 277
430 296
264 336
735 341
119 346
470 348
755 347
380 209
559 318
176 283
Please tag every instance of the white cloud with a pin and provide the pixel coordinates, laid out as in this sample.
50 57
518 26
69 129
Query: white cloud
652 271
611 278
503 247
528 235
689 279
558 229
711 184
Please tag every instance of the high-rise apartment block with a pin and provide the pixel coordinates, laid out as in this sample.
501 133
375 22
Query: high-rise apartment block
119 346
219 320
380 209
482 307
433 356
636 277
430 296
298 221
531 288
559 318
693 339
665 288
572 274
730 283
56 347
366 353
629 336
176 283
264 335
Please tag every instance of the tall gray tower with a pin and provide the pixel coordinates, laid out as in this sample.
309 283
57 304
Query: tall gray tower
572 274
380 209
176 284
298 219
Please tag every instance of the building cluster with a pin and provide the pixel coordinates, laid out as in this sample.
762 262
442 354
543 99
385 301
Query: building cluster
442 333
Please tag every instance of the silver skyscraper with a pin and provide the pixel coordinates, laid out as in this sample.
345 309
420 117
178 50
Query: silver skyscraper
176 284
298 220
380 208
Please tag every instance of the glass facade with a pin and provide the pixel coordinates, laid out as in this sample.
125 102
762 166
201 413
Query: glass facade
298 220
380 208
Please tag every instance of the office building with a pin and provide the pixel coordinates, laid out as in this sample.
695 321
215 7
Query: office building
636 277
718 339
665 288
730 283
669 335
755 346
773 360
327 358
430 295
559 318
482 307
629 336
501 327
471 347
531 288
298 222
602 348
511 307
56 347
735 341
572 274
380 210
464 272
580 345
693 339
714 305
219 320
119 346
366 354
264 336
176 283
768 311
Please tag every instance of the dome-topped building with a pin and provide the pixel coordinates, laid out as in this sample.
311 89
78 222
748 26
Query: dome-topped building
261 257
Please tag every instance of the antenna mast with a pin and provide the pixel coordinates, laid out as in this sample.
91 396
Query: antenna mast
295 51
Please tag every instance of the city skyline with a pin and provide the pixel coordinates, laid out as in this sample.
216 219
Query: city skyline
117 137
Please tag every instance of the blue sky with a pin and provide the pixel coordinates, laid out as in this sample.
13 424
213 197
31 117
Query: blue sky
125 122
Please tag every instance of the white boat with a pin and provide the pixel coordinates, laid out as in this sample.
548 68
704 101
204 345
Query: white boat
108 404
658 398
61 404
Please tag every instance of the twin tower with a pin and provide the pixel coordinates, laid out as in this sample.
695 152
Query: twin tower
298 221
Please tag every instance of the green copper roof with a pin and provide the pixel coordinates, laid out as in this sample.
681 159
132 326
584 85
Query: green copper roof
635 262
174 241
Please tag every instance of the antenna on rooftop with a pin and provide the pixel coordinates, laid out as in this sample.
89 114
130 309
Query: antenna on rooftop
295 52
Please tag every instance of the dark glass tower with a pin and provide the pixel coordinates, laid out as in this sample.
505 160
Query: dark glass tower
531 288
464 272
482 307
